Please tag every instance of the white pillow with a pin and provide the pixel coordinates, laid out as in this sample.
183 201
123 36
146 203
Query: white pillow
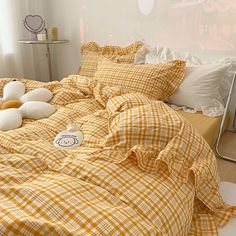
215 87
226 82
37 110
200 89
140 55
155 55
10 119
162 54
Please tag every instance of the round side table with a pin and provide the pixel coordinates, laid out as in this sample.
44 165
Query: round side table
48 54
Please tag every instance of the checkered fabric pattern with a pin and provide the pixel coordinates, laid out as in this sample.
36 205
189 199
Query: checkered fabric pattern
157 81
142 170
92 53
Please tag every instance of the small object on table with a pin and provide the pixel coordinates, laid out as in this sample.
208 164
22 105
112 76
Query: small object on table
41 37
72 137
54 34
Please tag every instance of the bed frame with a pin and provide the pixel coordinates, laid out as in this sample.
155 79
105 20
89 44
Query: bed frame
221 130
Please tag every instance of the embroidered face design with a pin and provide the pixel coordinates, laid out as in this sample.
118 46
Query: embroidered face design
70 138
67 141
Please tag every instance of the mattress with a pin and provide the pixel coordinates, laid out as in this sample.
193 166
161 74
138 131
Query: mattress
207 126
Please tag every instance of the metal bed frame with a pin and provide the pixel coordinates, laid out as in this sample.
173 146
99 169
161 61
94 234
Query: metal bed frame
221 130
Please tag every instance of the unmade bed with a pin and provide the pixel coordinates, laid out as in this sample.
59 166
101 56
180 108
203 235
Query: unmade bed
142 169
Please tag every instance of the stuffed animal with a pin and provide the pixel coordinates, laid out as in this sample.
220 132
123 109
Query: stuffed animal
70 138
16 104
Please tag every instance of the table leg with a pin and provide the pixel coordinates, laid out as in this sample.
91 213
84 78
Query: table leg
49 61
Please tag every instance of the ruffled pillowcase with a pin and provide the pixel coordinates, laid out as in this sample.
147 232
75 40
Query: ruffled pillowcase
91 54
204 87
158 81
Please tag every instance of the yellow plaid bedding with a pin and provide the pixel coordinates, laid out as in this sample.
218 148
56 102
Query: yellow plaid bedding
157 81
92 53
142 170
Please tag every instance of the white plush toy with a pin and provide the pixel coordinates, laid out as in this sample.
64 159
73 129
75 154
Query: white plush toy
70 138
16 104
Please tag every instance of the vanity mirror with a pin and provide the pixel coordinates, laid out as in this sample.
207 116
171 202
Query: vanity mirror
35 24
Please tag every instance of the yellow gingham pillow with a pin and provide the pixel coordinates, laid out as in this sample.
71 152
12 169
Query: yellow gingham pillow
157 81
92 53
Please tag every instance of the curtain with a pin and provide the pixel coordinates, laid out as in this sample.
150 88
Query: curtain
18 60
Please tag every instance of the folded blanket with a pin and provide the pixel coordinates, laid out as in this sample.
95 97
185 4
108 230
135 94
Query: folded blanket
142 169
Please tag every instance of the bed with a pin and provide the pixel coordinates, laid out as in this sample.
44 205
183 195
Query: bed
161 181
142 169
207 126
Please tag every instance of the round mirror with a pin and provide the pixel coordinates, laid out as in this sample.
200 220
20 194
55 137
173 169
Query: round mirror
35 24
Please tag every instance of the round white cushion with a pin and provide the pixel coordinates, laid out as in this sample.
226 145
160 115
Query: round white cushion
13 90
37 110
228 192
10 119
40 94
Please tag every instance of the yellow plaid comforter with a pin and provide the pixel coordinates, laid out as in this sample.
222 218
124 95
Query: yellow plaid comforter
142 170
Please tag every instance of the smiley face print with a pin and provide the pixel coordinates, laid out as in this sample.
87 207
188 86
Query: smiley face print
67 141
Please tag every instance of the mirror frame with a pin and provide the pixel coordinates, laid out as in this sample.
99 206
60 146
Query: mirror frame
32 30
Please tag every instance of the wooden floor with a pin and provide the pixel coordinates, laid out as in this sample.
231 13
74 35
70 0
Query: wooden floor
227 147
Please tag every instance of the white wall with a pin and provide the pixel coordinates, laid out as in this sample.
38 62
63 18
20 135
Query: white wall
65 16
190 25
104 21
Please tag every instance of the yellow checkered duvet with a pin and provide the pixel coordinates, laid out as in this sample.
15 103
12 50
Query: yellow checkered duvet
142 170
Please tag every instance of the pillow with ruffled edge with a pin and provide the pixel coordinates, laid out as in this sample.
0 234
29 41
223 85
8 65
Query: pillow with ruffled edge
91 53
158 81
209 89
